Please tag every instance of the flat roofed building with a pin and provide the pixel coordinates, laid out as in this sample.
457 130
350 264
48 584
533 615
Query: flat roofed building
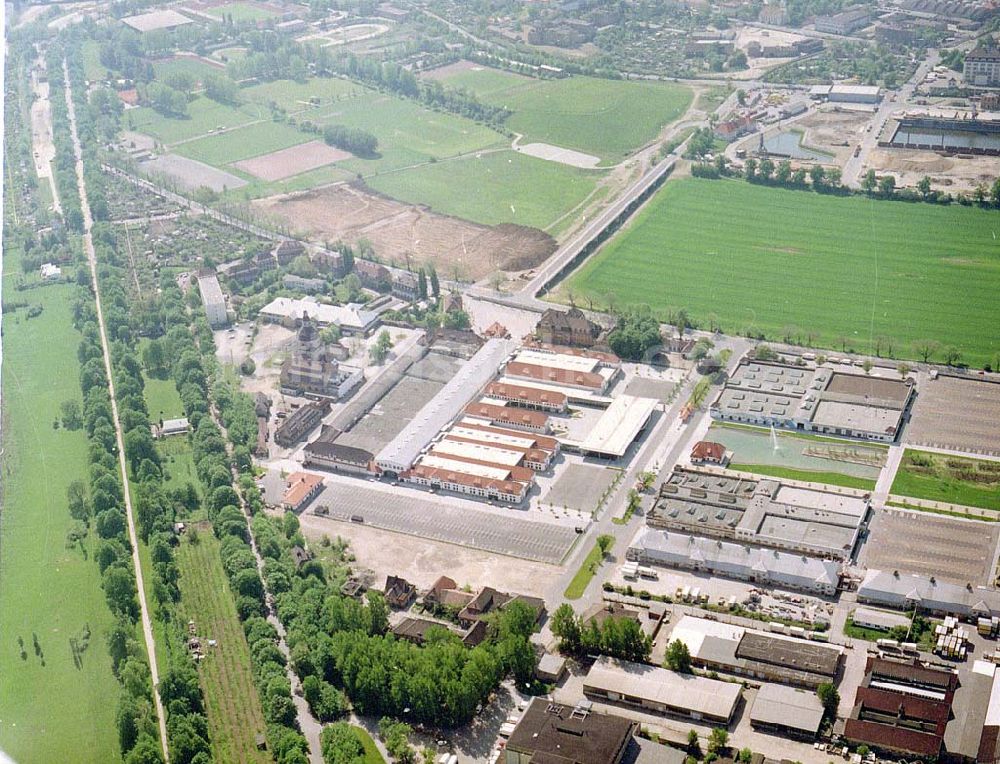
773 394
564 362
867 618
663 691
213 299
844 23
479 470
479 451
745 652
732 560
786 711
156 20
618 427
400 453
556 734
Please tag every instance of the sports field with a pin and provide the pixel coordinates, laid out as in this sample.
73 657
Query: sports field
231 699
50 708
194 67
845 270
240 12
607 118
500 180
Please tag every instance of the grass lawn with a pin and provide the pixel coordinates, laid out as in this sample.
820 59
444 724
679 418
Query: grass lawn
231 700
812 476
242 12
953 479
407 132
52 711
93 69
162 399
294 96
510 188
204 114
194 67
486 81
607 118
372 755
243 143
177 460
588 569
844 270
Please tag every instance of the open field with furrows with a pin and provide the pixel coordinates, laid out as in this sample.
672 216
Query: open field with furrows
836 272
952 479
51 708
232 704
608 118
509 187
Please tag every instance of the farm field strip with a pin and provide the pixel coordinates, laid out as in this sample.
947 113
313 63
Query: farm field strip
836 272
46 589
234 710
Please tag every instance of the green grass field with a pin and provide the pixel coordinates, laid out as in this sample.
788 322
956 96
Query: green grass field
607 118
204 115
372 755
240 12
810 476
194 67
243 143
55 711
939 477
162 399
407 132
510 188
294 96
231 700
92 67
845 270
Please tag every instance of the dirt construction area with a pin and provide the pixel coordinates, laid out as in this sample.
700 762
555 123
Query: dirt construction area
405 233
959 414
947 173
190 174
285 163
834 131
962 551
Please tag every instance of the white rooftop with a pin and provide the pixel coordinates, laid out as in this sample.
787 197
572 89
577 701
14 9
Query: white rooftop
211 292
787 706
149 22
619 425
855 506
501 456
479 470
500 438
709 697
557 360
351 315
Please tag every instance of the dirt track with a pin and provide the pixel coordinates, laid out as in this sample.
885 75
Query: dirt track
409 234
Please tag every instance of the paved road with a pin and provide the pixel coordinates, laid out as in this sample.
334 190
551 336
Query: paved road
88 246
852 173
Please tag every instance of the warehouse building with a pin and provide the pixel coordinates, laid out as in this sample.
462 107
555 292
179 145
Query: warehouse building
302 421
844 23
213 299
725 648
402 451
528 397
770 567
814 400
662 691
764 512
568 370
551 732
879 620
902 708
156 21
621 424
508 416
789 711
904 591
866 94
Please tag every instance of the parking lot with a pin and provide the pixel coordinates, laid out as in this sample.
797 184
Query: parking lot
962 551
959 414
404 510
579 487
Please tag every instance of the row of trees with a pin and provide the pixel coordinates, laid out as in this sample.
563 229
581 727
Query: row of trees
618 637
359 142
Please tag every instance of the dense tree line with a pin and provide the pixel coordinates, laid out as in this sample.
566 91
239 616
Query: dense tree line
359 142
634 334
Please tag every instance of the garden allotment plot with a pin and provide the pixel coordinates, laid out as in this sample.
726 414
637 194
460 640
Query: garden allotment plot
843 271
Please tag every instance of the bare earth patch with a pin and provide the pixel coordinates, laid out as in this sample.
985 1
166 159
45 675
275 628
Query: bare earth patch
446 71
402 232
285 163
191 174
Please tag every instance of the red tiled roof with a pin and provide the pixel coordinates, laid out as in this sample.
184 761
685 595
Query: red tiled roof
557 376
462 478
599 355
300 486
531 454
507 414
541 441
895 738
520 474
526 394
706 449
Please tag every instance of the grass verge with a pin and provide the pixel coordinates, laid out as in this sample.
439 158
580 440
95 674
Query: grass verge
951 479
809 476
588 569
